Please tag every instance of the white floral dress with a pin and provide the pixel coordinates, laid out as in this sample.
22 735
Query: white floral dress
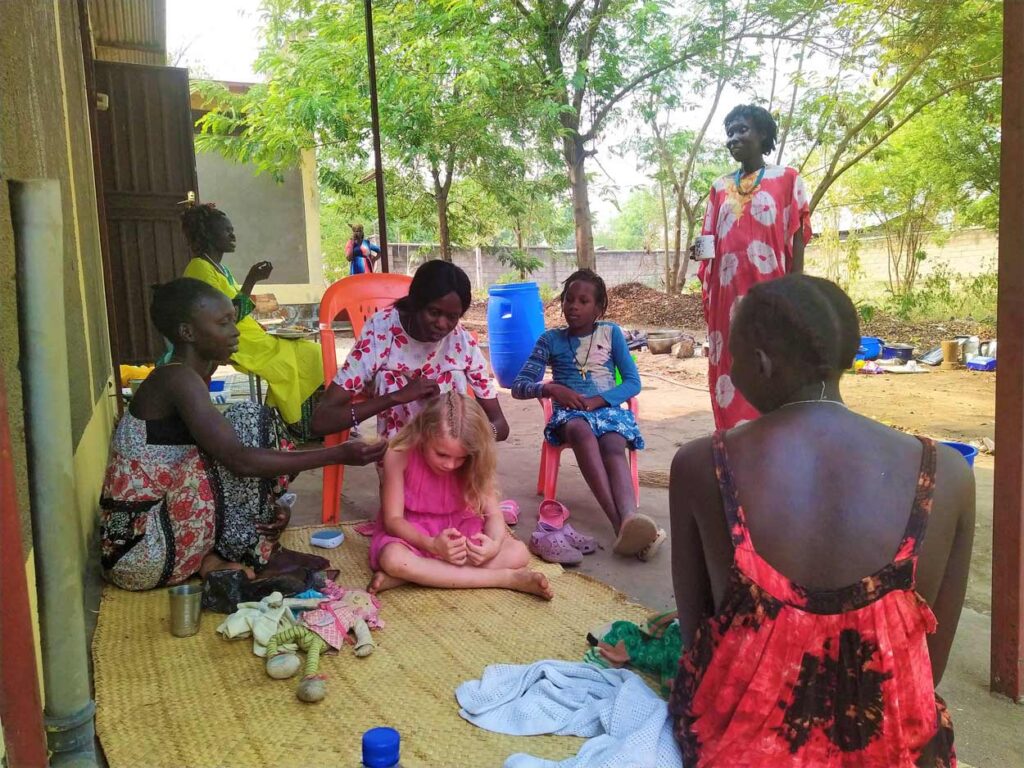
385 355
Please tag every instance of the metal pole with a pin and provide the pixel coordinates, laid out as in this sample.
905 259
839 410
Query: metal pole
1007 651
382 224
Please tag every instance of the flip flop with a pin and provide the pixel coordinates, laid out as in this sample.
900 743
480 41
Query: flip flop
638 532
648 552
510 511
585 544
553 547
552 512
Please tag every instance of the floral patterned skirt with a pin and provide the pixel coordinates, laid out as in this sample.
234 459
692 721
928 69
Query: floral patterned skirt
165 507
602 421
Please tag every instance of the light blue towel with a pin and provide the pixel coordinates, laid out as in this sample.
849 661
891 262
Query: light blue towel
626 723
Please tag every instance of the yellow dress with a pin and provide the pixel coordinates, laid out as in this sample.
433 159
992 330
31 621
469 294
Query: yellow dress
293 369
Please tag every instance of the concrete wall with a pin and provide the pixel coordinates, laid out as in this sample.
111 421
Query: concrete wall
44 132
967 251
616 267
274 221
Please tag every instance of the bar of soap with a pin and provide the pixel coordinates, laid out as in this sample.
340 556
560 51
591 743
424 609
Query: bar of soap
327 539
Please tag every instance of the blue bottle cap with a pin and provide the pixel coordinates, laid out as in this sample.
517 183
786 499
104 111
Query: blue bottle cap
381 748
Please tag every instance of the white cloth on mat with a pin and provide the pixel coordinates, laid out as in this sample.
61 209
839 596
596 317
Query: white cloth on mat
628 725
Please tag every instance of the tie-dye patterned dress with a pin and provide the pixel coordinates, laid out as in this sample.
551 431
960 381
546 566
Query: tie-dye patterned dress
753 243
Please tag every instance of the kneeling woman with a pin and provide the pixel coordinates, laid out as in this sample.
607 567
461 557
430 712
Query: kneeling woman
189 490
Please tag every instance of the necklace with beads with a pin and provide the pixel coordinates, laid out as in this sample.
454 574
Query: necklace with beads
753 187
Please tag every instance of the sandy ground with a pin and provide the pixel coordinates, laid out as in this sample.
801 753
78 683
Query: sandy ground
674 408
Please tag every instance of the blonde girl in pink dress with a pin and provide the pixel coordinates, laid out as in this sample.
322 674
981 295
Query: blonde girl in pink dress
440 524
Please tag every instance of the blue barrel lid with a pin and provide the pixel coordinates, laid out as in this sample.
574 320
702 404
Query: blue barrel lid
497 290
381 748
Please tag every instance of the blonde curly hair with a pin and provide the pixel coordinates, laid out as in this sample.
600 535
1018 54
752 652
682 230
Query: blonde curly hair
459 417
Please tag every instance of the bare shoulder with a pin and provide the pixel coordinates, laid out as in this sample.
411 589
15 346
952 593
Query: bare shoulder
396 459
693 485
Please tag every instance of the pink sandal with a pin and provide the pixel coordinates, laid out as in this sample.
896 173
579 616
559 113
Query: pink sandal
553 546
509 511
585 544
553 513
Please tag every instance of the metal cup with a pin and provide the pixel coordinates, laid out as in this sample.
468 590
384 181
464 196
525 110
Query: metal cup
704 247
185 608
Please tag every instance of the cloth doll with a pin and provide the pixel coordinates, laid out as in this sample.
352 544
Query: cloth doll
283 663
347 611
653 648
264 619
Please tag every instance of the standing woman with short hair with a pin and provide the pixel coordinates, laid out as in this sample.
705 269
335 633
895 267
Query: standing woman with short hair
293 369
761 221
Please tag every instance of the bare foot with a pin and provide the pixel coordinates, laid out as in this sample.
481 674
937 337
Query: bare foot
214 562
381 582
531 582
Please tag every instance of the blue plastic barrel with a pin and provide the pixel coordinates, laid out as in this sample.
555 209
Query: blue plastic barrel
515 320
969 452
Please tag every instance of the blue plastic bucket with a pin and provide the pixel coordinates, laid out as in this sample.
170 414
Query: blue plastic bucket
870 347
969 452
515 320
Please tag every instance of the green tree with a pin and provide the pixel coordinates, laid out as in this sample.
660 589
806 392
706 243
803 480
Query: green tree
448 97
592 56
880 66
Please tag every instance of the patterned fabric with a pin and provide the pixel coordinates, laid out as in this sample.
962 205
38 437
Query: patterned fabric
385 355
433 503
586 364
784 675
753 244
165 507
602 421
335 618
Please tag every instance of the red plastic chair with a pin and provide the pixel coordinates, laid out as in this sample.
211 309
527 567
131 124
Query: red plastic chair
550 456
360 296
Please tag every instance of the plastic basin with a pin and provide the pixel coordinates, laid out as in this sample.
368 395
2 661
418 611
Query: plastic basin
969 452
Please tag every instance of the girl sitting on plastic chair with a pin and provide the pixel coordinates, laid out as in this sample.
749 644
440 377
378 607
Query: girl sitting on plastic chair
587 415
440 524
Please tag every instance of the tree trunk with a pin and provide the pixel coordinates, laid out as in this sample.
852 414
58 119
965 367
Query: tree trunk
677 285
441 198
573 153
519 240
684 266
664 235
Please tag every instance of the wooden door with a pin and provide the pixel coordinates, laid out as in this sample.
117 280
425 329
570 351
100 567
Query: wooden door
148 167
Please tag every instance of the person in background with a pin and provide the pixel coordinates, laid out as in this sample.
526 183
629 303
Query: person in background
292 368
191 490
360 252
760 219
819 559
587 415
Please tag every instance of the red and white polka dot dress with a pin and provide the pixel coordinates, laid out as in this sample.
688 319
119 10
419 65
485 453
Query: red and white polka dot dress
753 243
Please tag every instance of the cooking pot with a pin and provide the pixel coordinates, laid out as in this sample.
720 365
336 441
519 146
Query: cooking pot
904 352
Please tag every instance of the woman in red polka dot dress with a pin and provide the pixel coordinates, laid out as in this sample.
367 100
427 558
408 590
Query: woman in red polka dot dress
760 219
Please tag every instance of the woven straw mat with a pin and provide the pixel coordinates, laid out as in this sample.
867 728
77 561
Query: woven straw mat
207 701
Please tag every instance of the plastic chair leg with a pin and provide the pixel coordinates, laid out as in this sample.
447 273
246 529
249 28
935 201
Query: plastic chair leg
540 471
329 507
551 461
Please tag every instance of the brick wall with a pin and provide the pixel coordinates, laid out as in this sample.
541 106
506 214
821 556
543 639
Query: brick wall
967 251
616 267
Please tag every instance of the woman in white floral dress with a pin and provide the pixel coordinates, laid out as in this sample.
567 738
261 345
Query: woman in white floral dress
409 353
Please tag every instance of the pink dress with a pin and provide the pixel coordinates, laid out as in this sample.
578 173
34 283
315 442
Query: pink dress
753 244
433 502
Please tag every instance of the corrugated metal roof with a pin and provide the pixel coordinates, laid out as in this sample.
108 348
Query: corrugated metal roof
133 31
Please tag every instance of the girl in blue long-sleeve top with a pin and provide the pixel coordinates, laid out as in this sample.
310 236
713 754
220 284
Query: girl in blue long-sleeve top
588 415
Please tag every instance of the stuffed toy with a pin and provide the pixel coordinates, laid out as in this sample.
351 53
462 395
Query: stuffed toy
282 663
348 611
653 648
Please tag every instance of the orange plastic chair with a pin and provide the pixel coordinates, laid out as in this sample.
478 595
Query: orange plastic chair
550 456
360 296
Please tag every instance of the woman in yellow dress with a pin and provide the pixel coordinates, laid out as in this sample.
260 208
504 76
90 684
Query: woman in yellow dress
293 369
